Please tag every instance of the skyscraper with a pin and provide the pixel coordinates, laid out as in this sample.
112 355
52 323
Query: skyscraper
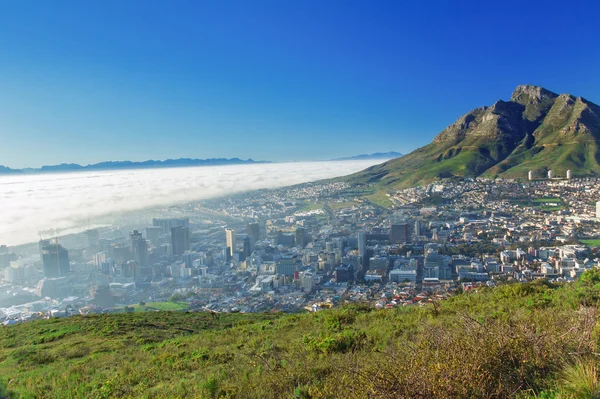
139 247
180 240
55 259
167 224
300 237
91 238
253 230
399 233
231 243
247 247
418 226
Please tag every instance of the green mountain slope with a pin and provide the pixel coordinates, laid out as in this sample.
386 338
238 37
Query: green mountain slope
535 130
510 341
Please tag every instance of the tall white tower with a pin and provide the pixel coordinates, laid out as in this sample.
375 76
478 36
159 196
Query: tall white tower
569 174
550 174
530 175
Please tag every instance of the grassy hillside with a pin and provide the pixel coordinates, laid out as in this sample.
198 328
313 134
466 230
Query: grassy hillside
523 340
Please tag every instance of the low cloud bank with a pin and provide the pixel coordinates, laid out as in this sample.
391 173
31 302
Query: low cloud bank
66 201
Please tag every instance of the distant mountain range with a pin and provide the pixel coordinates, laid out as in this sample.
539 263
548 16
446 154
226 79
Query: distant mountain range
536 130
108 165
377 155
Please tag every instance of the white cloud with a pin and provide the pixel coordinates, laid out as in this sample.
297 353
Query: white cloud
33 203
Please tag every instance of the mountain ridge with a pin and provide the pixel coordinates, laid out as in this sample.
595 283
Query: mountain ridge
535 130
109 165
375 155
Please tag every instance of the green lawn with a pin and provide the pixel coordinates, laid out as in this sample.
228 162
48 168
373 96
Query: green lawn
149 306
548 200
592 242
311 206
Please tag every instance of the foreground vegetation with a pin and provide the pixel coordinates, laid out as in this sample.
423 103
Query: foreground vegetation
519 340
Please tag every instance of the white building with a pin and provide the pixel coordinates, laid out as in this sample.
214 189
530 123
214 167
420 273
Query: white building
402 275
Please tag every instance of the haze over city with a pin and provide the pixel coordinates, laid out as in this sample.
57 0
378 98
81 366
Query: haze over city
53 204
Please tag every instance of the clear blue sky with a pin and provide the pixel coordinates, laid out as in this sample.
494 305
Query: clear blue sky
87 81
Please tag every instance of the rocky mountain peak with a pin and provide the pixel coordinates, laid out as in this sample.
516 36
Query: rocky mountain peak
528 94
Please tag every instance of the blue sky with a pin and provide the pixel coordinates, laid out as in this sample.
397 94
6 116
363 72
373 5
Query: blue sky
87 81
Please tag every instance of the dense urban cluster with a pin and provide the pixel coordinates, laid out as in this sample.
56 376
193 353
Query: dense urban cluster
309 247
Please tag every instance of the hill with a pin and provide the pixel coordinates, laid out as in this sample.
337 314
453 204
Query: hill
535 130
517 340
108 165
376 155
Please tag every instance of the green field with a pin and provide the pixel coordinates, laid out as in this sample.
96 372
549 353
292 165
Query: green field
594 242
150 306
310 206
534 340
548 200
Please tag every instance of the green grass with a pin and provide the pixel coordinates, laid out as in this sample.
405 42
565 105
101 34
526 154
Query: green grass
334 206
310 206
553 200
149 306
593 242
517 339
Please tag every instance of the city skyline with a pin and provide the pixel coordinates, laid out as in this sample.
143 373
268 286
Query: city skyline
277 81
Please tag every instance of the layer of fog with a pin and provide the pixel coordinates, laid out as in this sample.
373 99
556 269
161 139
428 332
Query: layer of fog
63 202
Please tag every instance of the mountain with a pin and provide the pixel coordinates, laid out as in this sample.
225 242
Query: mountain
535 130
169 163
377 155
6 170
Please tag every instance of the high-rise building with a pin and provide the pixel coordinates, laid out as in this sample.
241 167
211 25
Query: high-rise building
399 233
167 224
55 259
598 209
247 247
188 259
230 239
530 175
139 247
153 234
550 174
300 237
92 237
180 240
288 265
569 174
418 228
253 230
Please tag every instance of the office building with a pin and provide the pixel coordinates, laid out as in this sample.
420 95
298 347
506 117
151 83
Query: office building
139 248
167 224
598 209
288 265
399 233
253 230
92 238
231 243
55 259
300 237
247 247
530 175
153 235
180 240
